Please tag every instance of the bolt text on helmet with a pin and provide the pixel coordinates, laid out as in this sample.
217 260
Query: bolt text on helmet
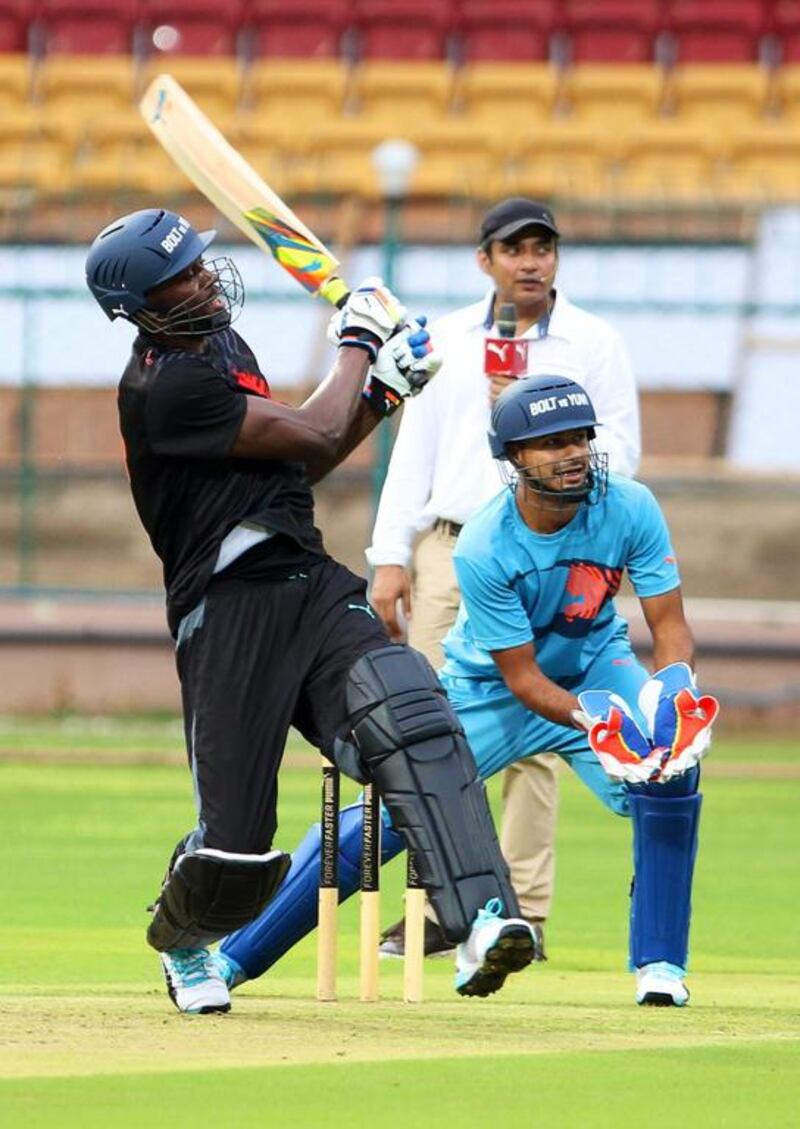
175 235
551 403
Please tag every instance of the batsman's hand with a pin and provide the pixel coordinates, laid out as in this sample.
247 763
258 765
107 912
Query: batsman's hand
391 598
680 718
404 366
369 318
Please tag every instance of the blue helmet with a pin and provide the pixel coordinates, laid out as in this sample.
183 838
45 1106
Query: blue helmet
137 252
536 406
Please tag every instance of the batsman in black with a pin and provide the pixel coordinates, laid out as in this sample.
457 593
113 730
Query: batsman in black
270 631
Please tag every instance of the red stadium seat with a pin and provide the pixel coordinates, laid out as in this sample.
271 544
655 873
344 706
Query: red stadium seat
192 27
303 29
402 29
785 25
612 31
514 30
87 27
15 16
717 31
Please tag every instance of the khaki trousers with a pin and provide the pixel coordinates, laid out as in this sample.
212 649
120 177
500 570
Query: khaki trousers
530 787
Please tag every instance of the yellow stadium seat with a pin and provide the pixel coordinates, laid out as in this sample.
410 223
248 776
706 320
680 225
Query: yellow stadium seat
15 79
456 159
763 165
287 91
667 162
32 155
334 157
719 98
214 82
116 152
787 94
612 96
398 93
73 90
562 159
507 97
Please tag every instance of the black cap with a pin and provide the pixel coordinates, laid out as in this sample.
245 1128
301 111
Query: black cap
510 216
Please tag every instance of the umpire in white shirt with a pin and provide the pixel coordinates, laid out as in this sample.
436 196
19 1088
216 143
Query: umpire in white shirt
441 471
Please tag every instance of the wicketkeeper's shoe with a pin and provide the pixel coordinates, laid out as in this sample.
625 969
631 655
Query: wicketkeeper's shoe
194 982
661 985
496 946
393 940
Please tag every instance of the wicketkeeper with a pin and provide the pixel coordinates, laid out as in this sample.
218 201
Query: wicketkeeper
539 659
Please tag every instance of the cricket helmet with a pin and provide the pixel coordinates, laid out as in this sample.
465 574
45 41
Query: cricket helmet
140 251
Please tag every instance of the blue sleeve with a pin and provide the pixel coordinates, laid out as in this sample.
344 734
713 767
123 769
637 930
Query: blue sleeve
652 566
497 619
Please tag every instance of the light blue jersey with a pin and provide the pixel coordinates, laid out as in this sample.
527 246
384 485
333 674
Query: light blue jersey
555 590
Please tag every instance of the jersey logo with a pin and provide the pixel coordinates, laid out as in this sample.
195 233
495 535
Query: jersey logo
588 588
591 585
252 382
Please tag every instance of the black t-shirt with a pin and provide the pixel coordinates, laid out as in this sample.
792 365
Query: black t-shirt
180 414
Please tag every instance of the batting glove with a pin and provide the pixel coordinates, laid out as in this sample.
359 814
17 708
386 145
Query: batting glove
369 318
624 751
679 718
404 366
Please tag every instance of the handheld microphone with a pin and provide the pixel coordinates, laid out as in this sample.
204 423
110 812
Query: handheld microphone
506 355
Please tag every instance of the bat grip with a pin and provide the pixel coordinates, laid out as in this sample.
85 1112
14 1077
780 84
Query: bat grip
335 291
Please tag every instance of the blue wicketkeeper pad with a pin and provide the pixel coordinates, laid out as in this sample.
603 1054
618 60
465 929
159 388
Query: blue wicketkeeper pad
664 849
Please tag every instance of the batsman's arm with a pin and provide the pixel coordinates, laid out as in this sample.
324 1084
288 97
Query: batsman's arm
527 682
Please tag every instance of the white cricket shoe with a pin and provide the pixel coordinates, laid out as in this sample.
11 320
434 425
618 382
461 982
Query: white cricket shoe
496 946
661 985
194 982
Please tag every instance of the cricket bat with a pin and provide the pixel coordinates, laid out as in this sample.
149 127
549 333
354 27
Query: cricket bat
236 190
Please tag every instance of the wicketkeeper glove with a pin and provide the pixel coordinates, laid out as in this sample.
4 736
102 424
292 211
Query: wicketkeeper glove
624 751
369 318
404 366
679 718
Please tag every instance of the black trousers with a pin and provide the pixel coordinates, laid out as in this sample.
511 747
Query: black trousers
256 657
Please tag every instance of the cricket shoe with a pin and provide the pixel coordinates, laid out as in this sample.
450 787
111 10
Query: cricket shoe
496 946
228 969
393 941
194 982
661 985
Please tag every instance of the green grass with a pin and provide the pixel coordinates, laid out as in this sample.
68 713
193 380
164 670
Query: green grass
87 1037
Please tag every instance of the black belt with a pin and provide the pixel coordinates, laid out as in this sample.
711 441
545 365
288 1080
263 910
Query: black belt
451 527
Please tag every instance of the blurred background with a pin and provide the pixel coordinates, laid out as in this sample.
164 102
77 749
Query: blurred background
665 134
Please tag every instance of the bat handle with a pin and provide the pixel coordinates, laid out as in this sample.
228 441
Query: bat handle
335 291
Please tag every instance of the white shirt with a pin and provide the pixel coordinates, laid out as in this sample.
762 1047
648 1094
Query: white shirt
441 466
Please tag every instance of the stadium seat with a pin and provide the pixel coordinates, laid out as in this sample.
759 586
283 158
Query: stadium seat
396 93
716 31
457 160
306 29
401 29
32 154
87 27
786 94
612 31
784 24
666 163
15 81
763 165
279 92
70 88
506 30
116 154
213 81
721 96
507 97
334 157
15 18
607 94
265 146
191 27
563 160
